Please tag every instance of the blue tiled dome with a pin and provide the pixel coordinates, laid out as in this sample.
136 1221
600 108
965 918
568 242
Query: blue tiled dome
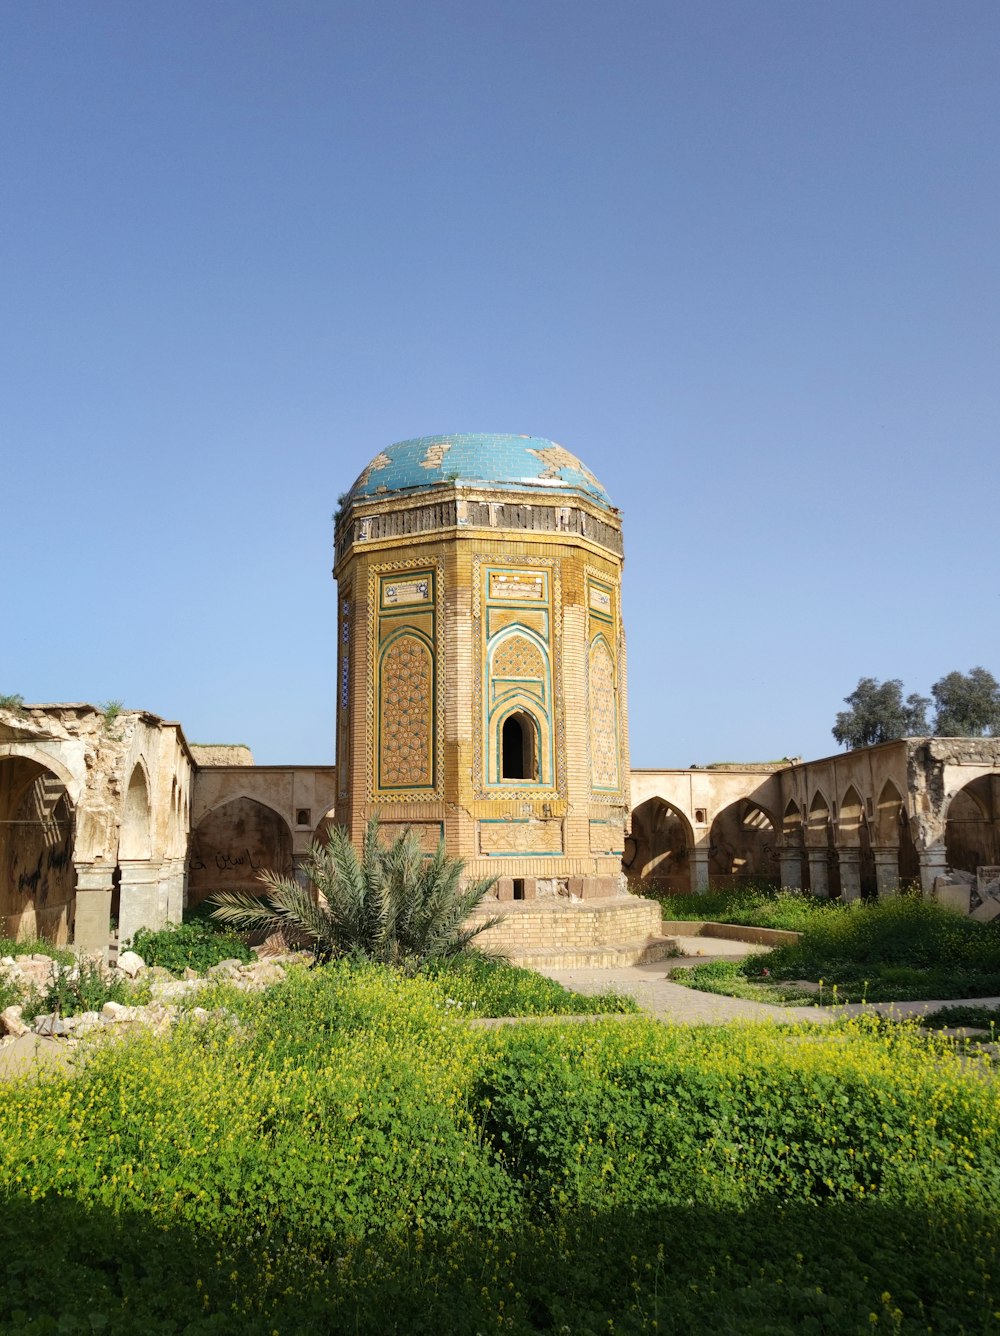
525 463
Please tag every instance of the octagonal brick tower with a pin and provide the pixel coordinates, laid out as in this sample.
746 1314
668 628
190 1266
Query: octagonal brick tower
481 668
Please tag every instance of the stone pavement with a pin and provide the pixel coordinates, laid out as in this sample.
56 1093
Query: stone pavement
672 1002
657 996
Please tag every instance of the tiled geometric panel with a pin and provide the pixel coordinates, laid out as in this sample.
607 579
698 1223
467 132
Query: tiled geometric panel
603 723
516 656
406 715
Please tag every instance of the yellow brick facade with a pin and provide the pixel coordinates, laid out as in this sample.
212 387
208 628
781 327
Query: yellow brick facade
481 680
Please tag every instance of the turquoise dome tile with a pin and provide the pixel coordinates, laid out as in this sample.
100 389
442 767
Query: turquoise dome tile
515 462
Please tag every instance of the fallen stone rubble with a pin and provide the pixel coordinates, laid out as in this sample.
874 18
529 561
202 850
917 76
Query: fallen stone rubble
169 998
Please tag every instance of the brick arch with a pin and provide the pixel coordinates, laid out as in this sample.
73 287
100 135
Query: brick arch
37 876
519 688
743 844
658 851
135 839
972 825
233 841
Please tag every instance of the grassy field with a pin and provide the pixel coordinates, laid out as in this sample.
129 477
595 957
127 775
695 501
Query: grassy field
895 950
756 906
343 1153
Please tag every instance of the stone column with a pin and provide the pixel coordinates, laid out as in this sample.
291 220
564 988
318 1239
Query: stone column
933 863
886 870
139 905
819 873
790 860
170 892
299 872
699 870
92 931
850 873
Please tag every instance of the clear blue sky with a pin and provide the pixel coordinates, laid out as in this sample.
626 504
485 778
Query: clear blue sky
742 258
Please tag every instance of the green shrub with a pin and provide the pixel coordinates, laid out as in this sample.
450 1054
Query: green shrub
195 945
755 906
640 1116
975 1017
14 946
891 950
339 1154
726 977
10 993
478 985
83 987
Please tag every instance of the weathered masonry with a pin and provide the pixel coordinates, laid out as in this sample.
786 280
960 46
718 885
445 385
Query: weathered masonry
920 810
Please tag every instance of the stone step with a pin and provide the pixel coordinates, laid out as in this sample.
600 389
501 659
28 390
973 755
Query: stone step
639 951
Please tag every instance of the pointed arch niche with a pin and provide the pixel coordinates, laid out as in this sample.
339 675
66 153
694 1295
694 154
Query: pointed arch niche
232 843
519 743
37 877
972 830
658 852
742 846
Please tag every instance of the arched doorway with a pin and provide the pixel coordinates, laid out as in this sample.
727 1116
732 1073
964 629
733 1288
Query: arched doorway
794 864
854 844
742 847
518 749
37 877
657 853
824 869
234 842
325 825
972 830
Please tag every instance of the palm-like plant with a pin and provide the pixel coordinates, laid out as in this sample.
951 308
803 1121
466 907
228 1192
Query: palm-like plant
391 904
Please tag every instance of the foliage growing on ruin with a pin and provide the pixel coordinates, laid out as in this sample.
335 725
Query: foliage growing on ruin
27 946
86 986
389 904
350 1157
111 710
13 703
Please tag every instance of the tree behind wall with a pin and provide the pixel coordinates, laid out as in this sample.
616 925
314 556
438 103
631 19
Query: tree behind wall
967 705
878 713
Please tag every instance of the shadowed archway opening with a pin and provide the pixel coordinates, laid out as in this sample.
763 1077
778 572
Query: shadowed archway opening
742 847
234 842
657 853
972 831
518 750
37 877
